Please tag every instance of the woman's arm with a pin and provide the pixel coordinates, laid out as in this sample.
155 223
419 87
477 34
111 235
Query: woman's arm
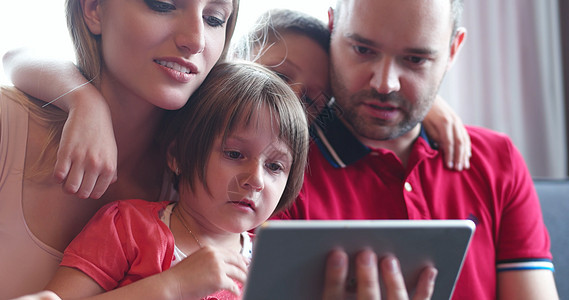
445 127
87 156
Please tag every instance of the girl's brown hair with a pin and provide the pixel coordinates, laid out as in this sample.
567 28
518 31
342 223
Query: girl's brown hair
232 94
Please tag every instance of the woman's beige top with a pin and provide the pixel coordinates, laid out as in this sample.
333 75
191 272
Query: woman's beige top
26 264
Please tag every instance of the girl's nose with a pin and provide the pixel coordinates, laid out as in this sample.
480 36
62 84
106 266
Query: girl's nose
254 179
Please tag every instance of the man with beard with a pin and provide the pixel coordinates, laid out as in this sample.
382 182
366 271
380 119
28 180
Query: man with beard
371 159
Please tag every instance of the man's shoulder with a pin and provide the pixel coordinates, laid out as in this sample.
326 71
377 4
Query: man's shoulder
478 131
493 149
484 137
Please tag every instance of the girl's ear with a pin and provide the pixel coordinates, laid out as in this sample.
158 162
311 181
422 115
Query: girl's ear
92 15
172 164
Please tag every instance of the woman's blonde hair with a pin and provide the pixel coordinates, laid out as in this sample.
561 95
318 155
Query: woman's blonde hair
232 95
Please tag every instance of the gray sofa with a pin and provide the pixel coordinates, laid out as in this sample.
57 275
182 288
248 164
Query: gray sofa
554 198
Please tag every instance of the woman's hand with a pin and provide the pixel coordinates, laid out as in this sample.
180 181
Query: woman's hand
445 127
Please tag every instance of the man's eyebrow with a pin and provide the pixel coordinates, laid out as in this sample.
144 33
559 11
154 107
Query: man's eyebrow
422 51
360 39
412 50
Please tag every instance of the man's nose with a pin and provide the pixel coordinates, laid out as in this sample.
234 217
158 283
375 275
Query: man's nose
385 77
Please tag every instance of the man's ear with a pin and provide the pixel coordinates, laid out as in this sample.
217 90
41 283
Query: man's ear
92 15
330 19
456 45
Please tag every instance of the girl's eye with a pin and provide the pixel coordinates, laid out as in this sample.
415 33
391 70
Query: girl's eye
307 100
214 22
283 77
160 6
232 154
275 167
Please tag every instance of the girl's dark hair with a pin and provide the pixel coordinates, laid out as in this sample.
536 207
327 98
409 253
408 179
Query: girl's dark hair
276 22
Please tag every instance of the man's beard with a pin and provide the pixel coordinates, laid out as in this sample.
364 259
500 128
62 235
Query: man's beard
377 128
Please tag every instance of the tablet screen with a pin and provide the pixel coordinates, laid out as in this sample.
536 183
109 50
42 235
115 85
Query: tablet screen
289 256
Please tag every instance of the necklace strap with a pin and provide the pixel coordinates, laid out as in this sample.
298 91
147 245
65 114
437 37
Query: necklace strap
183 221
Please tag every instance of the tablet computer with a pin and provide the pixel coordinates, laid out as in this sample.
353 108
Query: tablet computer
289 256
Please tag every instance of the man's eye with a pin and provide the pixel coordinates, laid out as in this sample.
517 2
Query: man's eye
232 154
416 60
160 6
361 50
213 21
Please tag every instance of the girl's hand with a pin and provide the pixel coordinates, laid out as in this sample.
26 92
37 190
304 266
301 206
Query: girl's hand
87 156
445 127
209 270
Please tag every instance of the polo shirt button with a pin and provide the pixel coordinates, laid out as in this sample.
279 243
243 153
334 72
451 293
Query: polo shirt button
408 186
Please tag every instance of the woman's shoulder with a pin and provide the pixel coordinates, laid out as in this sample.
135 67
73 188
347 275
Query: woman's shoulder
11 96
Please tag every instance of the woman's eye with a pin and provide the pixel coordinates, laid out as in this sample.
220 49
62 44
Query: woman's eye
232 154
214 22
160 6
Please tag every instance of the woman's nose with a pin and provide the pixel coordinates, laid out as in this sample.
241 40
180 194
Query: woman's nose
190 34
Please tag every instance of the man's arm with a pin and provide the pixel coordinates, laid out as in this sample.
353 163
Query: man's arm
87 155
526 284
522 235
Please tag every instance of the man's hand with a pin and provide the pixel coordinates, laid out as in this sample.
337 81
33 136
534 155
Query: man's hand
367 278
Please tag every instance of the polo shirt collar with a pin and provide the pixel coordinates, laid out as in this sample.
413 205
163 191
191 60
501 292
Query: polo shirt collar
338 145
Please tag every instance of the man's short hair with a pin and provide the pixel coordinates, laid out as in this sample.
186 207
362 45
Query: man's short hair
456 7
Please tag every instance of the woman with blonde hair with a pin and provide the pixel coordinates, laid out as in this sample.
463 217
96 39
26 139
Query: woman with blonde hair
144 57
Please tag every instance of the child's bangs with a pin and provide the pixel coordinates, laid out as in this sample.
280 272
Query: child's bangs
251 112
